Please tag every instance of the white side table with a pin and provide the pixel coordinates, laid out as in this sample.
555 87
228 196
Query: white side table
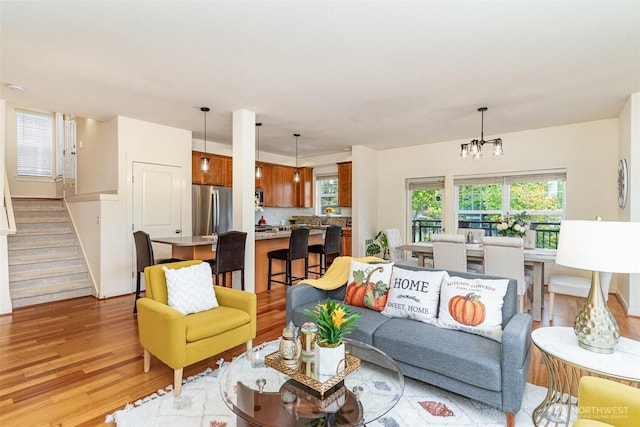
567 362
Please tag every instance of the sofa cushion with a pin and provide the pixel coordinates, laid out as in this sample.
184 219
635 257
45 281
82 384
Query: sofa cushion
190 289
367 323
210 323
371 293
414 294
473 305
466 357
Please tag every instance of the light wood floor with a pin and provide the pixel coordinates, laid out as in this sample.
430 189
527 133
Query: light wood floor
72 362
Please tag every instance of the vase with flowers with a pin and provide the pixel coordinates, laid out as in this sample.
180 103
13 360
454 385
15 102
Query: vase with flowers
334 321
515 225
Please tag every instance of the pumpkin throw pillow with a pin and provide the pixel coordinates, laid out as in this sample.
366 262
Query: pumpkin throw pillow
414 294
473 305
368 285
190 289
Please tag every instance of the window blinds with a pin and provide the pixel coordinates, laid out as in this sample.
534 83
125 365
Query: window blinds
432 183
34 144
541 176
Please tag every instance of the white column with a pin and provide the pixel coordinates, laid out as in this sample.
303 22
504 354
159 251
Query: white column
244 153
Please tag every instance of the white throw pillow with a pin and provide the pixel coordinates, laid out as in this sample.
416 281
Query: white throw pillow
372 295
190 289
414 294
473 305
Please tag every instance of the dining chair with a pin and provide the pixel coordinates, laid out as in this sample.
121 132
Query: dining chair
450 253
230 254
298 250
144 258
478 234
504 256
397 255
331 246
575 286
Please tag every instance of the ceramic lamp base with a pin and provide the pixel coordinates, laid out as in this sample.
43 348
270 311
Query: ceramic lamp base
595 326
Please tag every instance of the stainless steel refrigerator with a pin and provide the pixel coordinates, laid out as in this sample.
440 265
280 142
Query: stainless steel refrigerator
211 209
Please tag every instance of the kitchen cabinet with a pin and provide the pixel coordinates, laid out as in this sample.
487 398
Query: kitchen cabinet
344 184
228 167
217 173
266 183
346 242
282 186
304 195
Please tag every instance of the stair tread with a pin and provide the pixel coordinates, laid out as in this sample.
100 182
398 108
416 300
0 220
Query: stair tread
47 272
36 259
47 289
41 244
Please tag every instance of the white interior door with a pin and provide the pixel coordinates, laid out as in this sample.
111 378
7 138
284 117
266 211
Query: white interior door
157 203
69 169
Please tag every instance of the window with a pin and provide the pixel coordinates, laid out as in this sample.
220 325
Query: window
482 201
426 196
327 193
34 144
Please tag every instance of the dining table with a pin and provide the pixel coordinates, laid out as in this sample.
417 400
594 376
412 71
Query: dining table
536 258
190 247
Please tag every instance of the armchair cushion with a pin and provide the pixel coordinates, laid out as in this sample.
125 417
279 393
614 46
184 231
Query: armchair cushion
190 289
214 322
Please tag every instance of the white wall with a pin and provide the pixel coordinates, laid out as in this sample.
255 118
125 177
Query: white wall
97 157
588 151
629 149
368 200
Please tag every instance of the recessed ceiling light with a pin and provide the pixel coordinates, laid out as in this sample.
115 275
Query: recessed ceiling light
15 87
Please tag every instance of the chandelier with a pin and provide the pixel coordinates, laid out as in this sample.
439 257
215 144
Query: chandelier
473 149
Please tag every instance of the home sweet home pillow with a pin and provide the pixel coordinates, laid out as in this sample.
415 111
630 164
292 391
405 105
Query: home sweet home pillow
473 305
414 294
370 293
190 289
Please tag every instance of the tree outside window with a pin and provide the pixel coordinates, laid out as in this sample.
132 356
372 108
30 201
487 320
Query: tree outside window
327 194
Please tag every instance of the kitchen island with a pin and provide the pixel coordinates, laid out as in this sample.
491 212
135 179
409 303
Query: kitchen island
204 247
271 240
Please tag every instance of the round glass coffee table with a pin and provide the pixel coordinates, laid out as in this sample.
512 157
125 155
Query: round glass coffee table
265 397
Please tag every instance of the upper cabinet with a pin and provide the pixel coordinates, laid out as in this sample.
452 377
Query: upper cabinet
304 189
344 184
219 172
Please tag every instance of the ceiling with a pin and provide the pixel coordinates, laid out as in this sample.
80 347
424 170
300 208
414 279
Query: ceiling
380 74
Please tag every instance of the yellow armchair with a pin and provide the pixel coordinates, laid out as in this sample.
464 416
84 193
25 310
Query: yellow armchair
603 402
178 340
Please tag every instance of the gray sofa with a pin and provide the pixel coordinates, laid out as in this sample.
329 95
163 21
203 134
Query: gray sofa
467 364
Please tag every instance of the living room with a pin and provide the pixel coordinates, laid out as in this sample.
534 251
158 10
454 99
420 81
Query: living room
585 145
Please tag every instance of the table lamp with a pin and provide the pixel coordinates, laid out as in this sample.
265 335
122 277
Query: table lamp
598 246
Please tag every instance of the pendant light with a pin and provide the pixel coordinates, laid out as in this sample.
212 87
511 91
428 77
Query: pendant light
258 167
296 174
204 161
473 149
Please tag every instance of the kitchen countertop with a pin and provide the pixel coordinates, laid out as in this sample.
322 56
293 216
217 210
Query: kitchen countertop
265 235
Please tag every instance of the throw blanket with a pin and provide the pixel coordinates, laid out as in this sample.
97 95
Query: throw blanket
338 273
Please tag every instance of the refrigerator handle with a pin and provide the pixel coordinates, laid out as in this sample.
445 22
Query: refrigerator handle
216 211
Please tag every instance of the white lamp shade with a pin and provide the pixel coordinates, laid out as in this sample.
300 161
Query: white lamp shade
600 246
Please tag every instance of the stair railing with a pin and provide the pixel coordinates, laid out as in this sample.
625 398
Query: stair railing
7 219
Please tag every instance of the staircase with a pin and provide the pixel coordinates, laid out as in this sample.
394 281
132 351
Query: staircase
45 260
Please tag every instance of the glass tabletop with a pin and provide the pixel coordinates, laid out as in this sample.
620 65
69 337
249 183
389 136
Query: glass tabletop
265 397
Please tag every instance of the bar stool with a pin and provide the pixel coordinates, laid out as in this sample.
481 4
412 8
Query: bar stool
298 249
331 246
230 253
144 258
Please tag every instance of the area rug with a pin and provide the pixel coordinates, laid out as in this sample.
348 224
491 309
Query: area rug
422 404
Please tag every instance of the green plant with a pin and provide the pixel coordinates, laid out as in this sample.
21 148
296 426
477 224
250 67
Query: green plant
334 320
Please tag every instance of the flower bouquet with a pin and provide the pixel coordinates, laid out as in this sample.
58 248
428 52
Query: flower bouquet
514 225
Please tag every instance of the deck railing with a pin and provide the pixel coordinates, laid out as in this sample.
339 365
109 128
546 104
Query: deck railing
546 232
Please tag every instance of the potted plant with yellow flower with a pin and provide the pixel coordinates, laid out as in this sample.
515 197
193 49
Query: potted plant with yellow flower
334 320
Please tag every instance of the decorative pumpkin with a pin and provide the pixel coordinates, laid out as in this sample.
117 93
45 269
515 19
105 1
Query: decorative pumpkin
468 309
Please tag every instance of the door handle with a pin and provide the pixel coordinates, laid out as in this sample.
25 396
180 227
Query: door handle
178 231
